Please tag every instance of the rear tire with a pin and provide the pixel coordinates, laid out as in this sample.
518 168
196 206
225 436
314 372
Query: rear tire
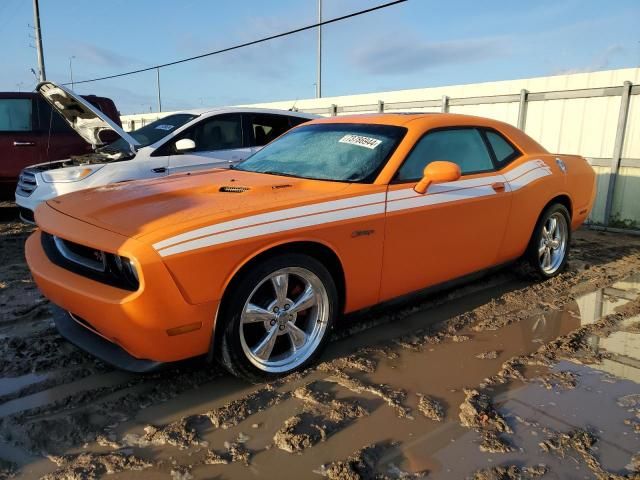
548 248
277 318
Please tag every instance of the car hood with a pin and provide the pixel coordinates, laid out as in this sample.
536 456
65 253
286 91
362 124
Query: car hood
84 118
156 209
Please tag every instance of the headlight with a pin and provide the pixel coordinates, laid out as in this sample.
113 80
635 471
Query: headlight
70 174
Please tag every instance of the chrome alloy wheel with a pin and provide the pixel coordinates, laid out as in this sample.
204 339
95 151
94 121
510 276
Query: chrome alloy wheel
284 319
553 243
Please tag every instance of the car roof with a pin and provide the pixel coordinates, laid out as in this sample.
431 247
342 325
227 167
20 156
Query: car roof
219 110
422 121
404 118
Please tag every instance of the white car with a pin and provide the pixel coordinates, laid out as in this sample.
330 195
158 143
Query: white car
182 141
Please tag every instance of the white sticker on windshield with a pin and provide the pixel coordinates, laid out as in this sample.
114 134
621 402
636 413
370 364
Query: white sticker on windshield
165 127
361 141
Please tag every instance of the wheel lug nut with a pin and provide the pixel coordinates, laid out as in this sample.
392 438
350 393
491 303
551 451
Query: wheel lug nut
286 307
281 327
273 322
276 309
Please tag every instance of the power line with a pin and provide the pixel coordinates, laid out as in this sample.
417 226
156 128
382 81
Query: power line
246 44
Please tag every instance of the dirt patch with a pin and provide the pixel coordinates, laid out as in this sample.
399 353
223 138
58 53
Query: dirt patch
490 355
239 410
234 452
322 416
477 412
180 434
510 472
364 464
89 466
392 397
430 407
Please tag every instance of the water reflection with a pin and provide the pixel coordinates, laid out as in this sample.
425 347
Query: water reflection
623 346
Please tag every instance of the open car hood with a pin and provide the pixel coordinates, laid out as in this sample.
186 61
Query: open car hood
84 118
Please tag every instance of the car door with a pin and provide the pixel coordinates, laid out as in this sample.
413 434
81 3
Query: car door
219 142
265 127
455 228
18 139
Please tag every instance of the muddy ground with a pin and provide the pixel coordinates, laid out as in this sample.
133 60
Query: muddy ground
502 378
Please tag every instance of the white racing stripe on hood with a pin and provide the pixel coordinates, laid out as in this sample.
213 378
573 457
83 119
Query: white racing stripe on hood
271 217
348 208
275 227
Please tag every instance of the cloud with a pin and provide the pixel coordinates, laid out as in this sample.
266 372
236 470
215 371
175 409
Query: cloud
271 60
409 55
102 56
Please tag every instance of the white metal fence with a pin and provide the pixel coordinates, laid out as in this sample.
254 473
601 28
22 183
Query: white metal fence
596 115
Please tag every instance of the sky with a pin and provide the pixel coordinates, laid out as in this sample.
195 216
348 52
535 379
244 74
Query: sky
420 43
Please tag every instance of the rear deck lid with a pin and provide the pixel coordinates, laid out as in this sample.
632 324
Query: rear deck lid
90 123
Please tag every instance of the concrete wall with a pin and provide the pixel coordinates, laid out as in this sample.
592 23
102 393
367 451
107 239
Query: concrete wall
585 126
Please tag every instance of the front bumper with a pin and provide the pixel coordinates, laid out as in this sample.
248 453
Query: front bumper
88 340
142 323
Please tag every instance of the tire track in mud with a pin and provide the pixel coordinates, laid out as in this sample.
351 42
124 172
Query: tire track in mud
69 416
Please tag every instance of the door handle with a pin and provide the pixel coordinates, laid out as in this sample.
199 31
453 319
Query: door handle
498 186
23 144
159 170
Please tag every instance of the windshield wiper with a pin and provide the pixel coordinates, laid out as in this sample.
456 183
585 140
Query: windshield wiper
273 172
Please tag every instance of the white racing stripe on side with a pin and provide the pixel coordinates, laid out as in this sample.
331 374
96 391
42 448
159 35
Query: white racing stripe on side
271 217
523 169
529 177
471 182
275 227
437 198
444 187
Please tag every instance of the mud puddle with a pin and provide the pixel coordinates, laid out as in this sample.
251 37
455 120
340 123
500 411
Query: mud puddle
535 397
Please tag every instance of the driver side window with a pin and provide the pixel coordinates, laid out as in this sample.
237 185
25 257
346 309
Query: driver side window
463 146
221 132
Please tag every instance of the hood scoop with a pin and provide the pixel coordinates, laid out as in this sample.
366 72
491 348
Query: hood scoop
229 189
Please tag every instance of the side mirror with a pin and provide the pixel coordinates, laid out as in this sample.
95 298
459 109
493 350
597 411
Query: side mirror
185 144
437 172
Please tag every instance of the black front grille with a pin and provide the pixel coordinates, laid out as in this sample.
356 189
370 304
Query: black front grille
86 261
27 183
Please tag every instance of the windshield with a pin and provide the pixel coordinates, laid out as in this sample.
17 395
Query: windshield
153 132
335 151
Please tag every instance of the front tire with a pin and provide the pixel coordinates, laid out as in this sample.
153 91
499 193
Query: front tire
549 246
278 317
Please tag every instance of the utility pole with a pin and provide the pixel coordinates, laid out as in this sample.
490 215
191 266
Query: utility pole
159 99
319 79
36 20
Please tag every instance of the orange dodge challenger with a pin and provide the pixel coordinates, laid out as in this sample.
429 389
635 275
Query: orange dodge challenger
255 264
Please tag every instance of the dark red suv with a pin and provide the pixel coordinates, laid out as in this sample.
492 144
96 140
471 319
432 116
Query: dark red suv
31 132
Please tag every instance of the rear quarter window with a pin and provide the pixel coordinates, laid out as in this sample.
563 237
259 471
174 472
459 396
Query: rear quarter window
503 150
